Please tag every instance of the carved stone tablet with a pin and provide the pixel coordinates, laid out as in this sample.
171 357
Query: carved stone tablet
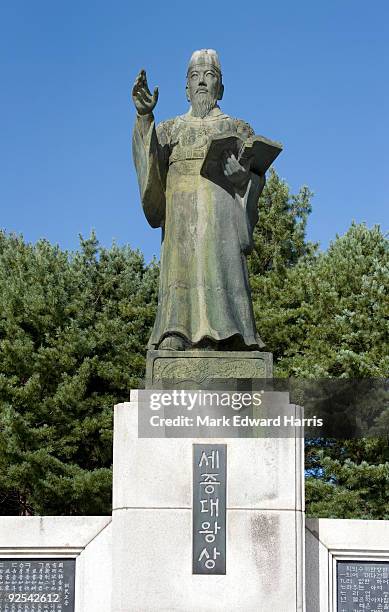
190 368
209 508
37 585
362 585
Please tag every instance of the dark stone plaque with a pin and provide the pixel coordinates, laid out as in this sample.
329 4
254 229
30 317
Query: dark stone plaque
209 508
37 585
362 586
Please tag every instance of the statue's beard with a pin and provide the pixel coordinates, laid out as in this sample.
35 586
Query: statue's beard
202 104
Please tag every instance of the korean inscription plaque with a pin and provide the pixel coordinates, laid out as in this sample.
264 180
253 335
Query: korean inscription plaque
37 585
209 508
362 586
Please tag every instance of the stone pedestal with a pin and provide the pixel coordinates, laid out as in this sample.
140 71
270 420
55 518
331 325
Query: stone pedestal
152 524
84 539
199 368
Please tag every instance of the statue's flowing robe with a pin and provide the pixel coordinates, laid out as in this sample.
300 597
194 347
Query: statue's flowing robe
207 229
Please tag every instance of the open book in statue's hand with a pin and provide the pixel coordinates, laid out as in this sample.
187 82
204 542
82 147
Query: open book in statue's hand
256 153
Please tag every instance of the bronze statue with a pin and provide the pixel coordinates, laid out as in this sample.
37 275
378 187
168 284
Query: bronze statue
207 221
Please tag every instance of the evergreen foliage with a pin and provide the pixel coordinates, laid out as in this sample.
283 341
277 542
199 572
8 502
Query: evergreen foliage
73 331
325 315
348 479
73 335
279 236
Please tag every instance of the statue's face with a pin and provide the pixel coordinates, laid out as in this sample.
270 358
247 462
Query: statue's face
203 89
203 80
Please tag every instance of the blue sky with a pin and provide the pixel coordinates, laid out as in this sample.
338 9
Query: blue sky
313 75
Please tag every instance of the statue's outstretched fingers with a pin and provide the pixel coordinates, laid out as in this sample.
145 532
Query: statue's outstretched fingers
138 83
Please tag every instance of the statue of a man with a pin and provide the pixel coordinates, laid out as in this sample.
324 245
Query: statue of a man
207 223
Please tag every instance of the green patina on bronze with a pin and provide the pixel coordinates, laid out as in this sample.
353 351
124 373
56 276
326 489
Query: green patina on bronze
169 369
207 223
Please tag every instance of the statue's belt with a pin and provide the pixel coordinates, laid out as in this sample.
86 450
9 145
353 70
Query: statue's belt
187 154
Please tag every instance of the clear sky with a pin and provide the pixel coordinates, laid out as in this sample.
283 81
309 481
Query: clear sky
312 74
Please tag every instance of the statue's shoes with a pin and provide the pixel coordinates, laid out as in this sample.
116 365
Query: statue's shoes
172 343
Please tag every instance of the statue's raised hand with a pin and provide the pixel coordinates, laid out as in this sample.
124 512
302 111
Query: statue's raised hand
143 99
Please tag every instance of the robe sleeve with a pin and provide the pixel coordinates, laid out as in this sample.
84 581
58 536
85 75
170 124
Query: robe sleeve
247 204
150 153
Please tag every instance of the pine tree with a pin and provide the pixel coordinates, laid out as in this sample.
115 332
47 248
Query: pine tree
279 244
280 234
73 331
327 317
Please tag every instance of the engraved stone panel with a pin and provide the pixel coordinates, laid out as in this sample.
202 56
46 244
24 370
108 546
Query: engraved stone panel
37 585
209 508
188 368
362 585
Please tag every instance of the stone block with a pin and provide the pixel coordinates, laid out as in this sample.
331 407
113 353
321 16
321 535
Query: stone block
30 533
87 539
94 574
329 541
153 569
199 368
264 473
152 524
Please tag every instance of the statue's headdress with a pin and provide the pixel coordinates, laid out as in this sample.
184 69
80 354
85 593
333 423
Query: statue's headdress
205 57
